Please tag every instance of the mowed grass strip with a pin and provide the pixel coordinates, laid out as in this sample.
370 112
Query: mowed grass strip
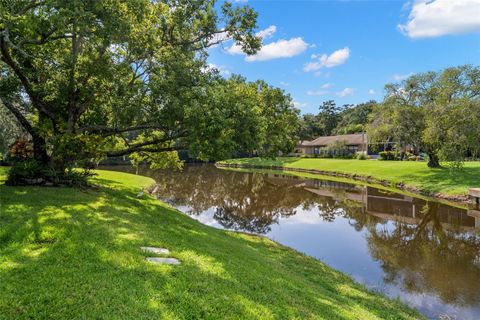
72 254
411 173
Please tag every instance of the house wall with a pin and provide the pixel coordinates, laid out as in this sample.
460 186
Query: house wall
310 150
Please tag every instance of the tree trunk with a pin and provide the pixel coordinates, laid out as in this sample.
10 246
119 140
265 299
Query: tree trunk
433 161
40 150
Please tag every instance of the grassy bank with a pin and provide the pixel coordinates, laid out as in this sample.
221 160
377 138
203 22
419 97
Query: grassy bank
411 173
69 254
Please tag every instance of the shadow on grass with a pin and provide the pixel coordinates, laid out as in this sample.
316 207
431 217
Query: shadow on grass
69 254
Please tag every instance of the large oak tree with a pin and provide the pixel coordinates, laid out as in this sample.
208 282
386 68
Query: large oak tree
434 112
89 78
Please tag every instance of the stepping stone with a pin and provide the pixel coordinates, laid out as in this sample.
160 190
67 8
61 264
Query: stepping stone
163 260
155 250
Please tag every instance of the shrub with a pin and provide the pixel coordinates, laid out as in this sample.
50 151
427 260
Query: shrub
362 156
386 155
25 172
31 172
22 149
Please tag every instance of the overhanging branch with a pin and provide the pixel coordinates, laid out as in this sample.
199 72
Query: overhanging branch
148 146
19 116
104 130
128 151
8 59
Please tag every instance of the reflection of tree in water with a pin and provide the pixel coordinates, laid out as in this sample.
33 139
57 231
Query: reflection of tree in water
420 258
428 258
423 257
331 208
243 201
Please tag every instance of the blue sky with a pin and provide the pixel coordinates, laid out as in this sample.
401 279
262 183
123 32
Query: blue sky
348 50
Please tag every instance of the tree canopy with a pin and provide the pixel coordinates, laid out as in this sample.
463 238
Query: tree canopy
95 78
436 112
332 120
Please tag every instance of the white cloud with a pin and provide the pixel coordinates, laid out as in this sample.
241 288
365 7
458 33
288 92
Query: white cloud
442 17
371 92
400 77
322 92
299 105
284 84
267 33
234 49
264 34
279 49
317 92
346 92
327 61
221 69
327 86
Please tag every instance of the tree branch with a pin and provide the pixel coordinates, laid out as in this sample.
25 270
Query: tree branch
7 58
72 92
46 38
203 37
32 5
147 146
128 151
104 130
19 116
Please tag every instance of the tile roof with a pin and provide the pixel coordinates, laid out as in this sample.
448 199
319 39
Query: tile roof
350 139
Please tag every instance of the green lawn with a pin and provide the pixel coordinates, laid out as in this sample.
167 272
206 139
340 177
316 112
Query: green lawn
72 254
411 173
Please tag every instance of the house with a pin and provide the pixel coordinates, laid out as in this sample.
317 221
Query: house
355 143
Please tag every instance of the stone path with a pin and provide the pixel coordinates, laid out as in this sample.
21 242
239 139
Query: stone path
163 260
160 260
155 250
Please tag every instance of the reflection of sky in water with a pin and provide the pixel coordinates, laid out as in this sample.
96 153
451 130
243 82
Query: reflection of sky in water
340 246
430 260
331 242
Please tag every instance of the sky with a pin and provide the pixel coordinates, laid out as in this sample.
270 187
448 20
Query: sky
347 50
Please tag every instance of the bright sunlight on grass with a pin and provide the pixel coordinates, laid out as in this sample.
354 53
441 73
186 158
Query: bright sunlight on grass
67 253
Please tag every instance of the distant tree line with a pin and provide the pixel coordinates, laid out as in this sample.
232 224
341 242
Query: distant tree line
434 112
437 113
333 120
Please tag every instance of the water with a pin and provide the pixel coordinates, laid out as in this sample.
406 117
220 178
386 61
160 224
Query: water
426 254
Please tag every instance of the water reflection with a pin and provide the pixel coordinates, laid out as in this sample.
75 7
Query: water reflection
245 202
425 253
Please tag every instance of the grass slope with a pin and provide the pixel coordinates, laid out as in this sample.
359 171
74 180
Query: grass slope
415 174
70 254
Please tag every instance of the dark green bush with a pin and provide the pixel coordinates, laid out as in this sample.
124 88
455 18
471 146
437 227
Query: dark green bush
388 155
31 172
25 172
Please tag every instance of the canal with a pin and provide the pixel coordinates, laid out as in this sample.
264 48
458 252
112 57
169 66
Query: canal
425 253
